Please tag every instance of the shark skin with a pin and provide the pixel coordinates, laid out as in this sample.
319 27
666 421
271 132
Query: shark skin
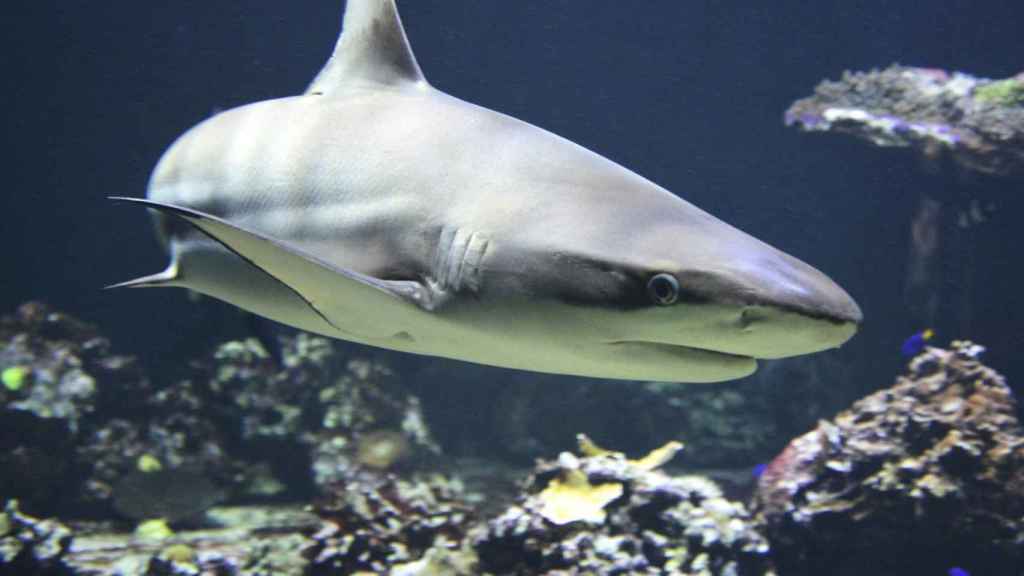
378 209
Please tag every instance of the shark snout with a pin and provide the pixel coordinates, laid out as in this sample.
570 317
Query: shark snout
793 309
790 284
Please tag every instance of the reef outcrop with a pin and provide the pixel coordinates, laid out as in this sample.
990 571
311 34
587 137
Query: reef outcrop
914 479
334 415
61 384
86 434
601 513
387 525
977 122
920 478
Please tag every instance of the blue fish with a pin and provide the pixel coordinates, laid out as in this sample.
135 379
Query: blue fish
958 571
758 470
915 344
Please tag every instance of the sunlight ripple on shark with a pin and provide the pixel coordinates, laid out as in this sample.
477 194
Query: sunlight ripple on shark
378 209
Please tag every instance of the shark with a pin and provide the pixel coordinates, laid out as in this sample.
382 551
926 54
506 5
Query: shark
378 209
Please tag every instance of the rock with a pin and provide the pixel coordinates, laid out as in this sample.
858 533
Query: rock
376 524
977 122
915 479
649 522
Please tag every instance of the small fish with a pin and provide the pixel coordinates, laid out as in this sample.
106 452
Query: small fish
759 470
913 345
958 571
170 494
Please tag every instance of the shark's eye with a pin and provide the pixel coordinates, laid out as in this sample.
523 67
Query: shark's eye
663 289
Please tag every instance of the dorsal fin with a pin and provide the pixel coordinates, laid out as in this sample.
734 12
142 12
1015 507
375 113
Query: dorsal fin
372 49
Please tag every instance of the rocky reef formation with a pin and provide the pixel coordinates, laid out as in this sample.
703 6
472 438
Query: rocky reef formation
915 479
600 513
977 122
387 525
85 432
62 385
605 514
333 414
80 419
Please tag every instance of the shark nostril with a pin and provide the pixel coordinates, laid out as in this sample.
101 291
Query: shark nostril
749 317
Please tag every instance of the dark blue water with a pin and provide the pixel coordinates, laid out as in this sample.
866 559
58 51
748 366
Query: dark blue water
689 94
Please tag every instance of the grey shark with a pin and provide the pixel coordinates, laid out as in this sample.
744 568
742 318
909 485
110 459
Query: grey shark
376 208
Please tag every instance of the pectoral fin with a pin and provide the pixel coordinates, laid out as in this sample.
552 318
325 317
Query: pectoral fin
345 299
168 277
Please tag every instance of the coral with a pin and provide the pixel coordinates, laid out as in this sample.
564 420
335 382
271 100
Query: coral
375 524
572 498
657 524
32 546
979 123
913 479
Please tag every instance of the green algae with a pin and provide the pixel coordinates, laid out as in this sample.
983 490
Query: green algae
1009 92
15 378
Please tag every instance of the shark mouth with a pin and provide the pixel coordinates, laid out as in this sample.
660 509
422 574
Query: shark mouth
680 363
682 350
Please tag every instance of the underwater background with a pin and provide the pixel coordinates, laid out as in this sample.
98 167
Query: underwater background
691 95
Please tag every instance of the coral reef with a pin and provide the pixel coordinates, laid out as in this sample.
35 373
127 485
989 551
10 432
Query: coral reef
931 469
604 514
380 524
46 360
86 434
365 412
59 375
318 407
170 429
914 479
978 122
